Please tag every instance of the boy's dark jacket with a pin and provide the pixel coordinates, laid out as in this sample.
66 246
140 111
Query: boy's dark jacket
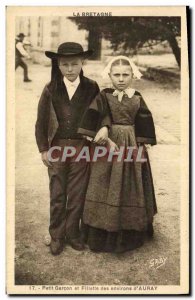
99 110
47 122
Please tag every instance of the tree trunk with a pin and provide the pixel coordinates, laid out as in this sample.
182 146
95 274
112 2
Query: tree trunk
175 48
94 42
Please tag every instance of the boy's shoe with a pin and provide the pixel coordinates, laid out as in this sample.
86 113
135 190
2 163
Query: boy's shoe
56 246
27 80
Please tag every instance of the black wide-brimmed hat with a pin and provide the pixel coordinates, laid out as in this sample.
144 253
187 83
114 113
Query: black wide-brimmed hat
69 50
21 35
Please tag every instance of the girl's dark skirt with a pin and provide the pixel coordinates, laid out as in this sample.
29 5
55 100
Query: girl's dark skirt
120 201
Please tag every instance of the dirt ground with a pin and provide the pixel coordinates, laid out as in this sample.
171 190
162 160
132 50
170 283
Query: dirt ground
34 265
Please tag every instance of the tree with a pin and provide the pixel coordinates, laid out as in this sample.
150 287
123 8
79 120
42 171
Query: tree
133 33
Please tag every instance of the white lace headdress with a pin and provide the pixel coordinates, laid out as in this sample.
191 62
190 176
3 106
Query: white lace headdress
136 73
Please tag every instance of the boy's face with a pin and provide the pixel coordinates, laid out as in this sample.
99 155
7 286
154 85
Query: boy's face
70 67
121 77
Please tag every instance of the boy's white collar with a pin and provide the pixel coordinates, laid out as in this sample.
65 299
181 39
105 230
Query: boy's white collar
71 83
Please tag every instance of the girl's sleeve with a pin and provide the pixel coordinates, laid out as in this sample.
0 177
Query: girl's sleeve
144 125
96 116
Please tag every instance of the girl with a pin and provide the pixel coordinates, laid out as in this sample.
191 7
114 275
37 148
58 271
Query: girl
120 201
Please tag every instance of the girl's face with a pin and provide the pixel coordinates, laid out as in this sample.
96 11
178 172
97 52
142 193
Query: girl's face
70 67
121 76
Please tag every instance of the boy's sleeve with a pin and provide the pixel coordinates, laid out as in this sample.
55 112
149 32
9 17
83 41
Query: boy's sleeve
96 116
144 125
42 123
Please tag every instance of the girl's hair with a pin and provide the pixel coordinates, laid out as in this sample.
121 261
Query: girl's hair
120 62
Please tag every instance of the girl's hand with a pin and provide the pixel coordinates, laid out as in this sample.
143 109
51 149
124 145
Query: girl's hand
45 159
101 136
113 147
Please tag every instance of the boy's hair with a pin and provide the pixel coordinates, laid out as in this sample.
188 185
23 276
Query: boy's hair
76 56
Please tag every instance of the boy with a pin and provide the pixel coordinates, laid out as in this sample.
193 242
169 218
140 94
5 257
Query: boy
20 52
61 107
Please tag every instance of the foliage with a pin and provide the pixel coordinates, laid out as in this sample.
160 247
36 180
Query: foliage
134 32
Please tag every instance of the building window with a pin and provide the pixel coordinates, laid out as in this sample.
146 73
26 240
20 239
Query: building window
40 32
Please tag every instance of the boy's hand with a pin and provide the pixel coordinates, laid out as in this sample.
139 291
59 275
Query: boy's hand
102 136
45 159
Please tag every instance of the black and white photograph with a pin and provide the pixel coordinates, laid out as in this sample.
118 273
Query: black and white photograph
97 150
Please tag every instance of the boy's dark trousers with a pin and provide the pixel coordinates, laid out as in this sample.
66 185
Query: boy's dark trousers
68 185
20 63
59 118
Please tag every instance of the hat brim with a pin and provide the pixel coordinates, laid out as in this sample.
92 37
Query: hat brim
21 35
84 54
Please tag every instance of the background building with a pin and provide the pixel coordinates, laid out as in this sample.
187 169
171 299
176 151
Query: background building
46 33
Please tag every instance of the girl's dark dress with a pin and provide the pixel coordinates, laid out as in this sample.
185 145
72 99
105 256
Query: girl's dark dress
120 201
